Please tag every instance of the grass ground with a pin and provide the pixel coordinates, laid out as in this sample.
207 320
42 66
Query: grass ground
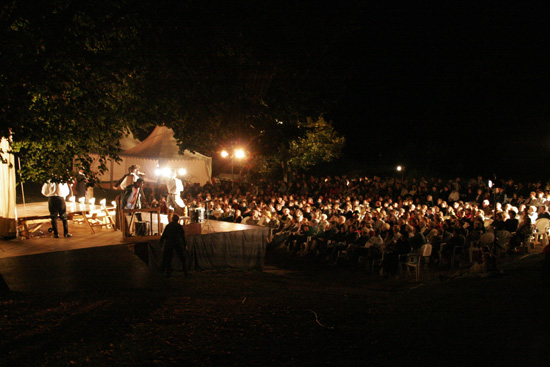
293 313
288 316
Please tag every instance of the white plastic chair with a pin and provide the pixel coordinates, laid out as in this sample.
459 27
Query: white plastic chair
540 233
378 263
416 260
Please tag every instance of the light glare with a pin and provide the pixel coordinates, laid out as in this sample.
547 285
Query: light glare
239 153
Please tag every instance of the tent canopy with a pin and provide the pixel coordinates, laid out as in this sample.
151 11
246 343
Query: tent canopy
128 140
162 145
160 150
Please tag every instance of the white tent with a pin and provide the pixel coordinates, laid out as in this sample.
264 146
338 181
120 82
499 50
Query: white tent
128 140
116 170
160 150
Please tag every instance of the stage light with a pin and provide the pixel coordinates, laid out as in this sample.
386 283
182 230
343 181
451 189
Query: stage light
182 171
158 171
166 171
224 154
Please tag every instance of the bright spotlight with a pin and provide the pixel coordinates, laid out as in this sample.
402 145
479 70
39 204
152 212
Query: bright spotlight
239 153
166 171
182 171
158 172
224 154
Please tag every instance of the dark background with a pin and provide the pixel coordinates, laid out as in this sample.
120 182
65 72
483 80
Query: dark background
455 89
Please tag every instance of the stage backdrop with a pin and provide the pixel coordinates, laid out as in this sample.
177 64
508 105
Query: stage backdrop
237 249
8 227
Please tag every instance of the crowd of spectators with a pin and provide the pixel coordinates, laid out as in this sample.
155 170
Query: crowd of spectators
365 217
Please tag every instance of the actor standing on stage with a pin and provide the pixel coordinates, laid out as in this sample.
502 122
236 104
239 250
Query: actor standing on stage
131 198
56 193
130 178
173 238
175 188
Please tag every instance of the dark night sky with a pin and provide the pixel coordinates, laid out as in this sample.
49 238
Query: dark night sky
458 87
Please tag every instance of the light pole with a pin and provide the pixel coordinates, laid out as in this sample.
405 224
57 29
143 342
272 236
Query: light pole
237 153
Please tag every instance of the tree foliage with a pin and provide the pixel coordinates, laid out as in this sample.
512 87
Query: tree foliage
300 147
74 74
65 88
231 76
320 143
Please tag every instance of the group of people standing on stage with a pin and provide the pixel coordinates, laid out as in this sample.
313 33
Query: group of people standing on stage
132 197
173 236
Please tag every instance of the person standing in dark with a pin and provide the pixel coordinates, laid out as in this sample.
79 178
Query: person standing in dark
56 193
80 184
173 239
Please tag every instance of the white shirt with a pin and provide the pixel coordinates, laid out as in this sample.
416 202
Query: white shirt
50 189
174 186
129 180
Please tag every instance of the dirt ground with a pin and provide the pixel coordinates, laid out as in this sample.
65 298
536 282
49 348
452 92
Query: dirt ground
289 315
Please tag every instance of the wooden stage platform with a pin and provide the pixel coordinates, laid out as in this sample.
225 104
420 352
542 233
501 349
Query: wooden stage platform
42 241
102 259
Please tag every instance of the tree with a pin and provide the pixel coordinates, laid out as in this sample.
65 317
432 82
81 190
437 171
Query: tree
320 143
74 74
65 88
231 76
315 141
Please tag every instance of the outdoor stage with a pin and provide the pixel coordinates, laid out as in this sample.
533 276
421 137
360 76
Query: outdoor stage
219 245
